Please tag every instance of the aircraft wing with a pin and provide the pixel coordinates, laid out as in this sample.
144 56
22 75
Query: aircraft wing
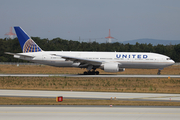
20 55
81 60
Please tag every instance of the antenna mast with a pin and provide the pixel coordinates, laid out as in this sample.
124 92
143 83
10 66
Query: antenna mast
10 33
109 37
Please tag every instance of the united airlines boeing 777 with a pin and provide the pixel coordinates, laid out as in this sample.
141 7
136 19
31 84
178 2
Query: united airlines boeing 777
107 61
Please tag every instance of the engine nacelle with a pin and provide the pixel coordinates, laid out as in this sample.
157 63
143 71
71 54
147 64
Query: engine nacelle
112 67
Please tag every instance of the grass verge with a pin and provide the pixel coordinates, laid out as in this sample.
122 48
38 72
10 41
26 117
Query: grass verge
43 69
140 85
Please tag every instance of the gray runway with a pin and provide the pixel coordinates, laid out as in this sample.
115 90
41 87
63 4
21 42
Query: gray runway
88 113
92 95
75 75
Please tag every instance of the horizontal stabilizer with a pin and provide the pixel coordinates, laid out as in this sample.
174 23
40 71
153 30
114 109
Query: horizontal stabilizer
19 54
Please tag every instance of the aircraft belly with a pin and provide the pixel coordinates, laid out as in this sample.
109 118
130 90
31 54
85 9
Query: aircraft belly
144 65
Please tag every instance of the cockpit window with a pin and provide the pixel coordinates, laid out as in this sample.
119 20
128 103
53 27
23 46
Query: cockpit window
168 58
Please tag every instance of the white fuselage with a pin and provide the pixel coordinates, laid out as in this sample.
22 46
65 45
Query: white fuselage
125 59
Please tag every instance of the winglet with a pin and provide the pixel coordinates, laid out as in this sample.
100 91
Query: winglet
27 44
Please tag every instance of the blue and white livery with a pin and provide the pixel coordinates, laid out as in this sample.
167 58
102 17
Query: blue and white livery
27 44
107 61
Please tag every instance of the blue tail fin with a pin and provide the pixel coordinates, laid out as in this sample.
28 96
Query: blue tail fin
27 44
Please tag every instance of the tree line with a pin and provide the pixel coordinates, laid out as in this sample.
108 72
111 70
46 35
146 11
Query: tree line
58 44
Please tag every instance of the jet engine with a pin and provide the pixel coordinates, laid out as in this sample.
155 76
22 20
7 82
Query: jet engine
112 67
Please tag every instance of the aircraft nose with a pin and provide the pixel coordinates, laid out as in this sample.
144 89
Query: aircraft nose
172 61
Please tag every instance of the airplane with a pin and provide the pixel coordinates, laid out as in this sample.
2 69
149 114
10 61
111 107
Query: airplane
107 61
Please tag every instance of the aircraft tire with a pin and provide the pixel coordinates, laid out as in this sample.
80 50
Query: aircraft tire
97 72
159 72
91 73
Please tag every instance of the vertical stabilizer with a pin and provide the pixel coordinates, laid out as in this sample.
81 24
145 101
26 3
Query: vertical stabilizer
27 44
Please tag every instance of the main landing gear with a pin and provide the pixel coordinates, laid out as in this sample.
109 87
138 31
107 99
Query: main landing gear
91 72
159 71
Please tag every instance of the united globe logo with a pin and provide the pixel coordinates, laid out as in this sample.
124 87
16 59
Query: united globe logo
31 46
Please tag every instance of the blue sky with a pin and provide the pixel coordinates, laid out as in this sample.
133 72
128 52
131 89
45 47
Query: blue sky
90 19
